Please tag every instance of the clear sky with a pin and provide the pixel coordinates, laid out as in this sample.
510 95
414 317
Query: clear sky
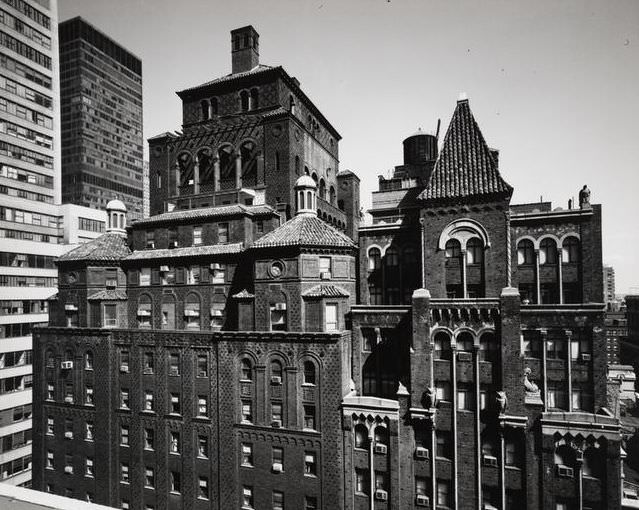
553 84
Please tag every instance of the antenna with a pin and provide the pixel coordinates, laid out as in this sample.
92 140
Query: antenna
439 122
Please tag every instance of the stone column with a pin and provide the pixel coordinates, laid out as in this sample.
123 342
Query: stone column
238 171
196 176
569 368
537 279
177 179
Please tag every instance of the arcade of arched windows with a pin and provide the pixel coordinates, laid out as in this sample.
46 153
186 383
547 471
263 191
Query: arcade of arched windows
267 379
394 272
579 456
549 269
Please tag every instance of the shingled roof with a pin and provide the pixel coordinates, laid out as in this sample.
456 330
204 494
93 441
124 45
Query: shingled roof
259 69
187 251
106 248
305 230
325 290
207 212
465 167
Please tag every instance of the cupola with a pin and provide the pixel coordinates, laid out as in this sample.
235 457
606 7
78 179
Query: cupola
306 196
116 217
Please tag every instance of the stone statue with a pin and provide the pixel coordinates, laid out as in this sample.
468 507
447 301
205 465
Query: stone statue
430 398
502 402
529 385
584 198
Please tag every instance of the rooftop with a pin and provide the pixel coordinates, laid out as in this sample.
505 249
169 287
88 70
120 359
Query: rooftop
106 248
207 212
305 230
189 251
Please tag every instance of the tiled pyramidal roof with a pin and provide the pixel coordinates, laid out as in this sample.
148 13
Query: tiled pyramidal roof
106 248
465 166
305 230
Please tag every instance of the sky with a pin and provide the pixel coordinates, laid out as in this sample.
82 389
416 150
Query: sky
554 85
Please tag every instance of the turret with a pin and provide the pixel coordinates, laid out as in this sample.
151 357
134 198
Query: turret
116 217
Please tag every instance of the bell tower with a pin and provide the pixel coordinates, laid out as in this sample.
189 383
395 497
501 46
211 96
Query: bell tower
245 49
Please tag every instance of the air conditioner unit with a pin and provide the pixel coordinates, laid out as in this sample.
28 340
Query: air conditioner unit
66 365
68 470
276 424
381 495
111 284
173 244
380 448
565 471
68 399
280 306
70 308
276 380
464 356
216 313
144 313
326 275
277 467
421 500
585 356
164 269
191 313
124 368
68 434
489 460
421 453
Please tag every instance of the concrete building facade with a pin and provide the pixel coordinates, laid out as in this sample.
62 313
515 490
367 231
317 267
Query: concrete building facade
101 95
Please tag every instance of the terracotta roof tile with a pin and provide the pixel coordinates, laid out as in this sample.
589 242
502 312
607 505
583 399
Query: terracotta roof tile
465 166
106 248
207 212
325 290
232 76
305 230
243 294
188 251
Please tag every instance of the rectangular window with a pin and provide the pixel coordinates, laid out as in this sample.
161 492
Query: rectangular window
68 428
276 413
310 464
174 364
50 425
361 481
175 482
124 399
278 500
222 232
310 503
124 472
247 411
124 435
50 463
202 366
443 391
110 316
203 447
148 400
174 438
197 236
150 239
149 439
149 363
202 406
203 488
193 275
444 445
124 361
309 417
331 323
465 398
247 454
381 480
50 392
88 431
68 464
247 497
421 486
443 494
88 467
175 403
88 396
325 267
145 276
149 478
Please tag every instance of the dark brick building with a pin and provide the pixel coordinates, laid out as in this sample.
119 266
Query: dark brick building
238 349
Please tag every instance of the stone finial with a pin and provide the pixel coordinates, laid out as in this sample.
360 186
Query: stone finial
584 198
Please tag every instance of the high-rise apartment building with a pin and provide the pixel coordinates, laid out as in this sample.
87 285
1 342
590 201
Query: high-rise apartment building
29 219
101 91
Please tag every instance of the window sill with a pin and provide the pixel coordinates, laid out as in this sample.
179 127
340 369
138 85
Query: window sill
442 458
361 494
308 385
126 482
251 466
147 411
176 493
309 475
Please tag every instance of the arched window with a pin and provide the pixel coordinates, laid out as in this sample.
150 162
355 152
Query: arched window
565 456
297 165
145 307
381 435
244 101
276 371
474 251
192 312
331 195
374 293
361 436
236 42
88 360
488 347
309 200
453 249
309 372
374 259
547 251
50 359
246 370
570 250
392 257
214 106
525 252
488 446
248 154
465 342
255 99
204 109
593 464
306 171
322 189
442 346
314 177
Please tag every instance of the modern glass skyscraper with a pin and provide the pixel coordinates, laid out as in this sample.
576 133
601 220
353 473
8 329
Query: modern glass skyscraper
101 91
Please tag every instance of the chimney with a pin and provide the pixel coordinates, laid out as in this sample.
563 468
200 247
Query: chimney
245 49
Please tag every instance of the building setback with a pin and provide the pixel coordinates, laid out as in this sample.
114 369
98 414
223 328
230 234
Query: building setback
101 91
231 351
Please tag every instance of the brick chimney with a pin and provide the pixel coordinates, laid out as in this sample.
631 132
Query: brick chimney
245 49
